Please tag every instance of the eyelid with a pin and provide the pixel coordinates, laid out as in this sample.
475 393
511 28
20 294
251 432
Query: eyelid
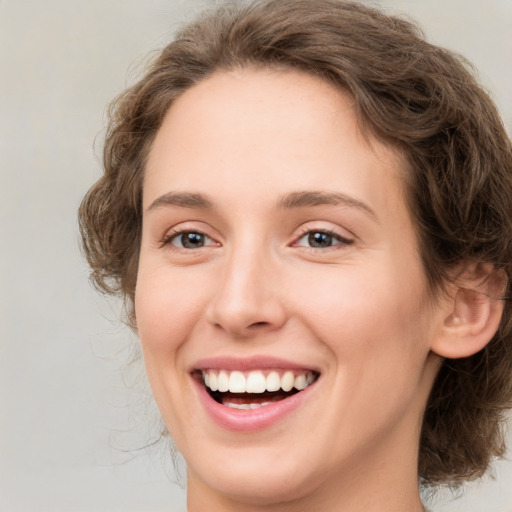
343 239
174 238
174 232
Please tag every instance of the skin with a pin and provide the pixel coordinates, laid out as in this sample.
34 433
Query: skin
358 310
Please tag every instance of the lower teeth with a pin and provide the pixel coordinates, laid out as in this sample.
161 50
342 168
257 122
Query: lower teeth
246 401
245 406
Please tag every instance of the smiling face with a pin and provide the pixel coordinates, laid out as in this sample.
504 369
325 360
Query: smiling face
278 254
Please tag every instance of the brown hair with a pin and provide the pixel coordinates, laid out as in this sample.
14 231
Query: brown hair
407 92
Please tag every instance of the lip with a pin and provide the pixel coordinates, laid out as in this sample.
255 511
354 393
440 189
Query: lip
250 363
251 420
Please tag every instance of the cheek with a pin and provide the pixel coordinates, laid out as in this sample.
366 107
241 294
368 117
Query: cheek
167 305
374 325
369 313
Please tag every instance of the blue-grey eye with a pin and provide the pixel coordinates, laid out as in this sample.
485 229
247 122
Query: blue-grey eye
190 240
321 240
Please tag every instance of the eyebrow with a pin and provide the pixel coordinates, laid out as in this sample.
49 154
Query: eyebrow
182 199
319 198
289 201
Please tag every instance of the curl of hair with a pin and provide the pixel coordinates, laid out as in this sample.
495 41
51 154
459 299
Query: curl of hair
408 93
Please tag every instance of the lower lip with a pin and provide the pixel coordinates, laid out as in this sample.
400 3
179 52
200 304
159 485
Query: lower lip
251 420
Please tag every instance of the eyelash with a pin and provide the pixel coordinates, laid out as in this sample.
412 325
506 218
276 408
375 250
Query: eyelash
343 241
173 235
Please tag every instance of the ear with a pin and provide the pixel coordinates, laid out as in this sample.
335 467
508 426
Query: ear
132 320
472 312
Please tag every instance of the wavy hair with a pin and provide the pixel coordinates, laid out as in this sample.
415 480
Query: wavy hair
408 93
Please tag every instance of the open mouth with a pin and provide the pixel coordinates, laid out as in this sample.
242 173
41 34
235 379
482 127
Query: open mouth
254 389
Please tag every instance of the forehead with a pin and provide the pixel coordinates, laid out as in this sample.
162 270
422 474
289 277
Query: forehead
275 128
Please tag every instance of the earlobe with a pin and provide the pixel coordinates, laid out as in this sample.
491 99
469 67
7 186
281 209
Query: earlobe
473 312
132 322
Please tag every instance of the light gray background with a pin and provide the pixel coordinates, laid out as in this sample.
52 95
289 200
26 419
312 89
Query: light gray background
71 411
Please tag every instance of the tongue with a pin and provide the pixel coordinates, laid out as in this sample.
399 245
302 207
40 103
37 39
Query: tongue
253 398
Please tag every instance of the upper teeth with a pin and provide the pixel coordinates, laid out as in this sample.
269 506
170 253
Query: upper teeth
256 381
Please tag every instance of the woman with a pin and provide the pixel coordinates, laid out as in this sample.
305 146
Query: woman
309 211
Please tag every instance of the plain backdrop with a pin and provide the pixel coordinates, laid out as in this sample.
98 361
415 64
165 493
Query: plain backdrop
74 414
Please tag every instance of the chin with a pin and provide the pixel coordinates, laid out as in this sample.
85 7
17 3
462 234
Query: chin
259 485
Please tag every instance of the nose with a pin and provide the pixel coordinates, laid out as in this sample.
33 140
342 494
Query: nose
249 296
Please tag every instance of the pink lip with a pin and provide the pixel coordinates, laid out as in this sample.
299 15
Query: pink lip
251 420
249 363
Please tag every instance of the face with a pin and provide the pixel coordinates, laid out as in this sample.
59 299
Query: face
279 264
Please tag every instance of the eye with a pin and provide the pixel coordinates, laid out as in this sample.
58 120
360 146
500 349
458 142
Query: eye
189 240
321 240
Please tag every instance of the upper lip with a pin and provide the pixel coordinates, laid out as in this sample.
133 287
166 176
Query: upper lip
250 363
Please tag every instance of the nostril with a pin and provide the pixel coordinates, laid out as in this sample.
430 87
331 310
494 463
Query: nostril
259 324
